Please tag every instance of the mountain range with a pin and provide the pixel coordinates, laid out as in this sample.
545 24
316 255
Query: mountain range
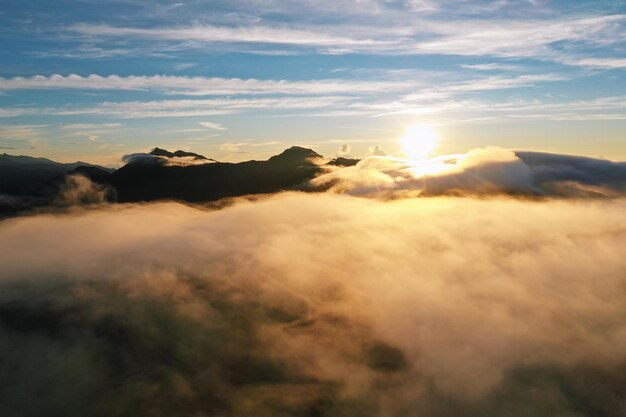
148 179
28 182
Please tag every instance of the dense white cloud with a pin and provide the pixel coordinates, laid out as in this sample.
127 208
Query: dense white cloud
376 150
344 151
480 171
372 307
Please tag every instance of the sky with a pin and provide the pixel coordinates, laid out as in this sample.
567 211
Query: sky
236 80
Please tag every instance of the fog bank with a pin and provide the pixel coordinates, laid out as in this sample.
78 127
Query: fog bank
317 304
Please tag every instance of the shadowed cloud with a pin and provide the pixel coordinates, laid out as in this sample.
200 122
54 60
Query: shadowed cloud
316 304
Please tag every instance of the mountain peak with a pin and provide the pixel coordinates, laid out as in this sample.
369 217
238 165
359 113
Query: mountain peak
295 154
344 162
177 154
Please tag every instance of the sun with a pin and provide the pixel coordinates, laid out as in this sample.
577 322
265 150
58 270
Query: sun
419 141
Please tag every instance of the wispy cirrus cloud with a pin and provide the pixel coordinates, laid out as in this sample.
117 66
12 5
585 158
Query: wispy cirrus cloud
452 95
81 126
289 61
239 147
493 66
607 63
211 33
351 96
202 85
21 136
497 37
514 38
212 125
425 99
192 108
85 51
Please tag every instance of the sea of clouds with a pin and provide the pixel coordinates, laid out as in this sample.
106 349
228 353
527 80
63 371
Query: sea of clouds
485 171
476 300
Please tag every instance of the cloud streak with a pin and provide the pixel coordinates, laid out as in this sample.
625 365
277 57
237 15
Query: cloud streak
201 85
212 125
340 97
480 37
211 33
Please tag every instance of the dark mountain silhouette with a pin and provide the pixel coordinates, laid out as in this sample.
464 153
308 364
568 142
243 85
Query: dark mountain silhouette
94 173
295 155
27 182
178 154
26 162
344 162
25 175
207 182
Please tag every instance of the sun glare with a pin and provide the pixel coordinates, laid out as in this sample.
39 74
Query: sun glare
419 141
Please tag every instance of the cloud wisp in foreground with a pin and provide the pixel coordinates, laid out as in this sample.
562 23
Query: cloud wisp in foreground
317 304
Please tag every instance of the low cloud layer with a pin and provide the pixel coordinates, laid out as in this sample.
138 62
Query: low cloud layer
317 304
146 158
482 171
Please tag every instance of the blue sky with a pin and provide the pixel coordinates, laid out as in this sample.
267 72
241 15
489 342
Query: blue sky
236 80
